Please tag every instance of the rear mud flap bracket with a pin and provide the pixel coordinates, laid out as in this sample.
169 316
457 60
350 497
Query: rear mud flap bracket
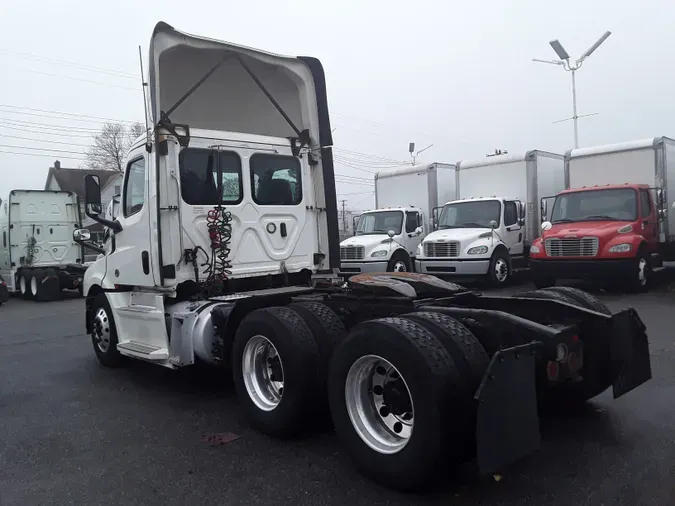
629 352
507 423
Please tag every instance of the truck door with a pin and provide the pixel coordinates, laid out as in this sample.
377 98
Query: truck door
513 230
130 262
413 219
649 222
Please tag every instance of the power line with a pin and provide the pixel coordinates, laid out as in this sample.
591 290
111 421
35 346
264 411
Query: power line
41 149
44 140
82 66
71 78
33 131
76 117
38 154
50 126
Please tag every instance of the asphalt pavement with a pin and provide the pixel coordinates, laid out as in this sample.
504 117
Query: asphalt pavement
73 432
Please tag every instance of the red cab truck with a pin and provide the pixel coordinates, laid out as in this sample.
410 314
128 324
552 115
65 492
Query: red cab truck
612 224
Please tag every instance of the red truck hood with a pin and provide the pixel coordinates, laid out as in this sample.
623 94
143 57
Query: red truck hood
586 228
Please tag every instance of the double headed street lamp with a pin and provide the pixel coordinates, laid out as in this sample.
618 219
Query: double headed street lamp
564 61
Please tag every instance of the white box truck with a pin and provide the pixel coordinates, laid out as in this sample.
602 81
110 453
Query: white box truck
489 229
612 223
38 256
386 238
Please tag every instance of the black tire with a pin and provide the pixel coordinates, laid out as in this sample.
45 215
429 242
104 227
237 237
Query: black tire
637 282
596 372
543 281
442 409
300 359
465 349
327 328
101 314
584 299
47 283
499 263
400 262
26 274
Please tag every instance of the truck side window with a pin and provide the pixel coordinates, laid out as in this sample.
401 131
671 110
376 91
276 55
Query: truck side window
645 203
412 221
134 187
510 213
276 180
199 170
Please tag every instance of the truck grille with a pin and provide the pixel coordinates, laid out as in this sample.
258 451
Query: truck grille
352 252
441 249
584 247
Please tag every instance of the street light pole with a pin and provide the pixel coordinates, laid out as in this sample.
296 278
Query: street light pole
564 62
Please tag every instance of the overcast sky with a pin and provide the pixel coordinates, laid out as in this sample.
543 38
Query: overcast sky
455 74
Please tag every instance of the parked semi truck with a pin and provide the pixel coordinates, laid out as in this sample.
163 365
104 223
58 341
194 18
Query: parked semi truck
38 256
612 225
386 238
225 252
487 232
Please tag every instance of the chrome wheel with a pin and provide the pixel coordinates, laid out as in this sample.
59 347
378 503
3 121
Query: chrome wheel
501 270
33 285
379 404
101 330
263 373
400 266
643 267
22 285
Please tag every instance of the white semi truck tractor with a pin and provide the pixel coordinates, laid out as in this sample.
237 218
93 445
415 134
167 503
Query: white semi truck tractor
225 253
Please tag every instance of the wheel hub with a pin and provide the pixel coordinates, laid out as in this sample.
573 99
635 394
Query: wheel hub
396 398
101 330
263 373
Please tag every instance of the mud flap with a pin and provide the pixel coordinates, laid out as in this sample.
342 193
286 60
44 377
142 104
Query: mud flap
631 364
507 424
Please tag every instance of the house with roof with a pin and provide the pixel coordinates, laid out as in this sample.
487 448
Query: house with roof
64 179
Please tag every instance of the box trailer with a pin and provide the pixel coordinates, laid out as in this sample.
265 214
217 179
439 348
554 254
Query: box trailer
38 256
488 230
386 238
612 223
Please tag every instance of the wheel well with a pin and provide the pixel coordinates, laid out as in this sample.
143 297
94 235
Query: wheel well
502 249
400 252
91 295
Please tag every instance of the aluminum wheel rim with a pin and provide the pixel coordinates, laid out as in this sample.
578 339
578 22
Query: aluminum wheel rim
33 285
263 373
22 285
642 271
101 330
400 267
383 426
501 270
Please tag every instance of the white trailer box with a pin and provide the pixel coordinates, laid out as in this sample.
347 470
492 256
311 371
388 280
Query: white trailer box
646 161
405 199
38 255
508 186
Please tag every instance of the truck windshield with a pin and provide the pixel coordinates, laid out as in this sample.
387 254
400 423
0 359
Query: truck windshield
476 214
618 204
380 223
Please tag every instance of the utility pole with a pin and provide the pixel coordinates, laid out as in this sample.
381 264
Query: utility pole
344 218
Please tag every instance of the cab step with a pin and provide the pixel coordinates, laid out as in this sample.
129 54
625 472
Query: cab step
144 351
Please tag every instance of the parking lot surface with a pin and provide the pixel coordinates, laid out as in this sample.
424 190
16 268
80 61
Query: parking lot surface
73 432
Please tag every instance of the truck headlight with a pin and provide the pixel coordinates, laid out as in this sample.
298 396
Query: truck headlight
620 248
420 250
534 249
477 250
379 253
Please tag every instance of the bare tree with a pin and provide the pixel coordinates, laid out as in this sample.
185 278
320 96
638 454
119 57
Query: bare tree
111 145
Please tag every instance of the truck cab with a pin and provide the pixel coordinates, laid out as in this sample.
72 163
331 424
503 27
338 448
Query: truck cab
608 232
384 240
475 237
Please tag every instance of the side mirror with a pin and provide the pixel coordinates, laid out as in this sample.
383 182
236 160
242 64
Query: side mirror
418 231
391 234
547 225
493 224
92 195
521 222
673 205
521 210
81 234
